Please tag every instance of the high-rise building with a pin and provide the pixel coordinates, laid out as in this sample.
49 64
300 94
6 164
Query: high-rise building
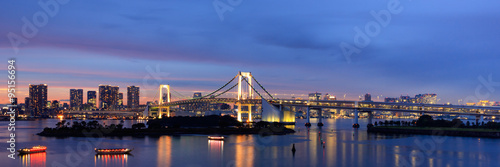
133 97
420 98
119 103
496 104
426 98
55 104
197 95
368 97
75 99
329 97
14 102
27 106
65 105
314 96
92 99
38 100
108 97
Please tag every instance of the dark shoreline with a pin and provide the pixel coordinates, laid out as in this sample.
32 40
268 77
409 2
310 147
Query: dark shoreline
436 131
158 132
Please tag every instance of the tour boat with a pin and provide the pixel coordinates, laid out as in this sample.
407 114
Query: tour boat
215 137
113 151
35 149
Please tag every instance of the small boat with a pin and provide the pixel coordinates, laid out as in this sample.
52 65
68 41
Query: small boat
215 137
35 149
113 151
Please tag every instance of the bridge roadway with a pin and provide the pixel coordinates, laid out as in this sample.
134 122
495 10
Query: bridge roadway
362 106
101 113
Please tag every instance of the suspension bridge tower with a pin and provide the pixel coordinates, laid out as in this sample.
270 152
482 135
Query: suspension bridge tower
244 94
162 108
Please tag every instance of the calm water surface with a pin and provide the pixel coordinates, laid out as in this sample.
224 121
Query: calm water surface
336 144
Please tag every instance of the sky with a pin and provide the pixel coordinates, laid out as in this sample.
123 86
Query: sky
292 47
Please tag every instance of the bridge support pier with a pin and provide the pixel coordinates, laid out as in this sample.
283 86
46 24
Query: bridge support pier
370 118
239 112
240 106
249 113
356 124
479 119
308 123
320 122
160 111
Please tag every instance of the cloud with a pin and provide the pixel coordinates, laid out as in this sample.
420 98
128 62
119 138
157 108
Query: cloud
291 45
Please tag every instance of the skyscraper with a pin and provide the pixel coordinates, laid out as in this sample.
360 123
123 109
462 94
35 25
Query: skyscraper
426 98
119 103
14 102
314 96
38 99
55 104
132 97
329 97
108 97
368 97
75 99
92 99
27 106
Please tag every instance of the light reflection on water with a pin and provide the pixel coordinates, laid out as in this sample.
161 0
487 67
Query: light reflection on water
164 151
34 160
335 144
111 160
216 152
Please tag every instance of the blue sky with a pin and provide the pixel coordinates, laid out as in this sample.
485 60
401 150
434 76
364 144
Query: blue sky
290 46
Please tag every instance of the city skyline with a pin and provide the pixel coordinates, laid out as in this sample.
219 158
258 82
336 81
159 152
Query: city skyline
250 83
85 99
413 54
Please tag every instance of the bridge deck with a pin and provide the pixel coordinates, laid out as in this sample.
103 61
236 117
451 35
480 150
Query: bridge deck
362 106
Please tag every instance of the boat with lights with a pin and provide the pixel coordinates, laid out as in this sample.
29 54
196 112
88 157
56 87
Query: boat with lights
215 137
113 151
35 149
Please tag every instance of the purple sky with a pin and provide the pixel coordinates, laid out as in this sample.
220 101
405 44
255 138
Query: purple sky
290 46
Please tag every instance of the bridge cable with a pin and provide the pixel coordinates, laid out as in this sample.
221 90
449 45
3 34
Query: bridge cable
219 88
262 87
180 95
254 88
226 90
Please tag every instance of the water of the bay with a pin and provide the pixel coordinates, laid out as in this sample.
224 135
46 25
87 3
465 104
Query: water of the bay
343 146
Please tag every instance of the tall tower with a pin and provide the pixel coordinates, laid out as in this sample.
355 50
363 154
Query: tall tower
108 97
242 76
244 94
92 99
38 99
132 97
75 99
161 101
